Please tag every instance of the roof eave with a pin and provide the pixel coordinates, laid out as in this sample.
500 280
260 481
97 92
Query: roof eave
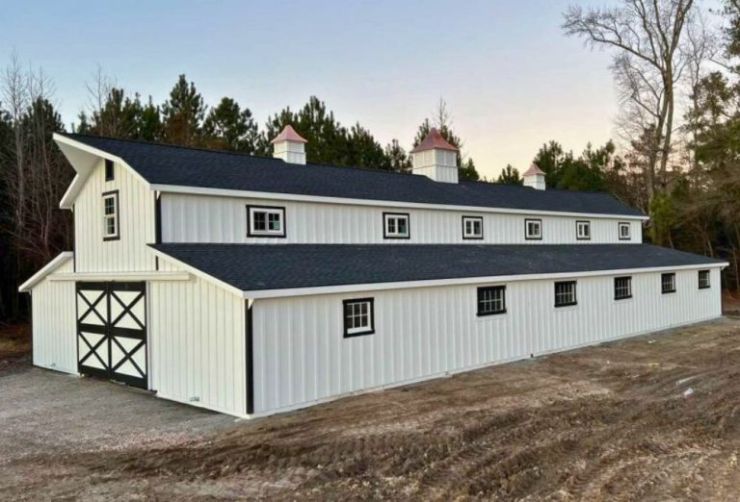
50 267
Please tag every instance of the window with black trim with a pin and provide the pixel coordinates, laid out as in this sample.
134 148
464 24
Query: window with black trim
110 216
265 221
622 288
472 227
565 293
358 317
533 229
491 300
668 283
110 173
625 231
704 280
396 226
583 230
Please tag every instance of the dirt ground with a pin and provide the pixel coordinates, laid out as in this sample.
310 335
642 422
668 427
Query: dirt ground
651 418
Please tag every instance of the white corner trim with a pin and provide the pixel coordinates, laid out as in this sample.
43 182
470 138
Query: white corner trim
351 288
79 180
246 194
54 264
122 276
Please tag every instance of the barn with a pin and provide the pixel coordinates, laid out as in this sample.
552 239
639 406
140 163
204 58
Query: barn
251 286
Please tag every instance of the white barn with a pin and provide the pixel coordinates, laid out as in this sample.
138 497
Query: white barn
252 285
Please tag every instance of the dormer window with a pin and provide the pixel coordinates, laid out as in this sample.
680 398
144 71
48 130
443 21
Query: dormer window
110 173
396 226
265 221
110 216
533 229
583 230
624 231
472 227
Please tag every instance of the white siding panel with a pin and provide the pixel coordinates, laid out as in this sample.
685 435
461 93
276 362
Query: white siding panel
54 324
196 339
301 357
136 226
197 218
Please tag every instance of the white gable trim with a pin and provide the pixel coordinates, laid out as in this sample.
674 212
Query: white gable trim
50 267
84 159
247 194
199 273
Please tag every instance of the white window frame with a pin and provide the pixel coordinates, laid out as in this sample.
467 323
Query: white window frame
390 226
366 318
624 236
533 236
567 298
267 211
469 224
705 279
582 235
114 217
623 293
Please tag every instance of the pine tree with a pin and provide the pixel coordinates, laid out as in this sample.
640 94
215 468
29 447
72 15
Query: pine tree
229 127
398 159
183 114
509 176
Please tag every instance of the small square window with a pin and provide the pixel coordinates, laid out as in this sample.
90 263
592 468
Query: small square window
109 170
265 221
358 317
704 279
625 231
622 288
396 226
110 216
472 227
583 230
491 300
668 283
533 229
565 293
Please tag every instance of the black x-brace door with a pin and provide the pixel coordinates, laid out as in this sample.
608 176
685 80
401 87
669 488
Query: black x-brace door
111 331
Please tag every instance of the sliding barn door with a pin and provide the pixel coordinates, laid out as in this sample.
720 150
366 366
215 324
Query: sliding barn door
111 331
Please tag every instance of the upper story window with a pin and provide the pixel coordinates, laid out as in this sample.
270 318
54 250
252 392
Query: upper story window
583 230
668 283
110 173
625 231
622 288
265 221
396 226
110 216
704 281
533 229
358 317
472 227
565 293
491 300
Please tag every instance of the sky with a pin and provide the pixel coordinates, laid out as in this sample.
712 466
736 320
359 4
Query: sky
511 80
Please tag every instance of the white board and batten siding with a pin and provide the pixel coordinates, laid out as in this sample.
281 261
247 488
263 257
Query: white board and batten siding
202 218
54 321
301 357
197 343
137 224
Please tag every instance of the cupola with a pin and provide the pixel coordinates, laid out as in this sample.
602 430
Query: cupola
289 146
435 158
534 177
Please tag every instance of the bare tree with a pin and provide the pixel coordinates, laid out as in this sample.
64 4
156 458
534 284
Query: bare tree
647 36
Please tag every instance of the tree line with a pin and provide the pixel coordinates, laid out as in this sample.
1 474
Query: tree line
677 156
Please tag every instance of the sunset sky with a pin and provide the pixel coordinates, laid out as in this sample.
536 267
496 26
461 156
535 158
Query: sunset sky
511 79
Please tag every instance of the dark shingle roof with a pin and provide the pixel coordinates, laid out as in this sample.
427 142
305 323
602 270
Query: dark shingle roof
252 267
173 165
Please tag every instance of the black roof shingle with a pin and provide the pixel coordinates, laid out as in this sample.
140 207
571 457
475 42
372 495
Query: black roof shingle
253 267
192 167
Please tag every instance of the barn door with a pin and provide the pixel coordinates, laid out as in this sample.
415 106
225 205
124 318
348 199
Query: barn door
111 331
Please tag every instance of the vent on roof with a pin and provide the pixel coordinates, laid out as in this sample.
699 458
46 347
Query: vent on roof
534 178
435 158
289 146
